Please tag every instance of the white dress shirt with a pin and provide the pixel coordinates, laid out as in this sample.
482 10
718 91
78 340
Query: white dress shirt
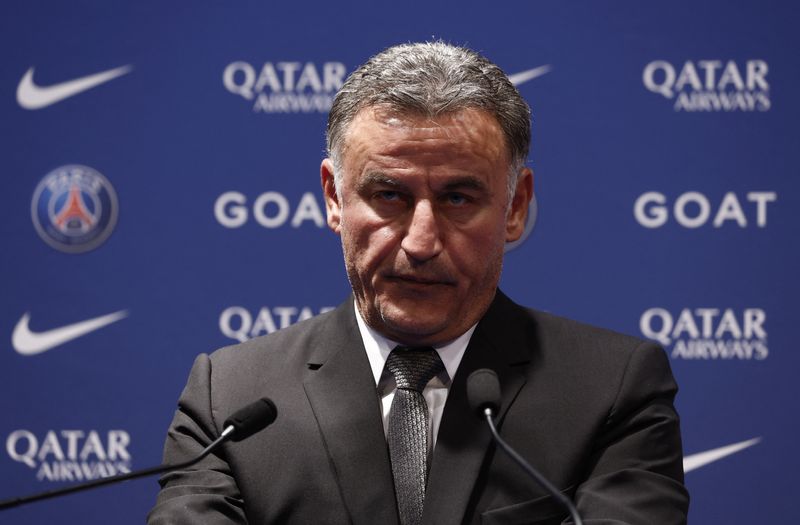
435 393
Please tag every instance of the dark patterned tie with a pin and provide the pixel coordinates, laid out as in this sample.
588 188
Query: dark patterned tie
408 433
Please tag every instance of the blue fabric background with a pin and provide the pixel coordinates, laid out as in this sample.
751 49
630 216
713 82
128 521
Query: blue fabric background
171 139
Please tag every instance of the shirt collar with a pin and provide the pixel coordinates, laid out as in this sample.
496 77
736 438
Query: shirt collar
378 348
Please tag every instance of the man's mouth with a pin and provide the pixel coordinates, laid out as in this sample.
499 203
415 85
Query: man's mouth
420 280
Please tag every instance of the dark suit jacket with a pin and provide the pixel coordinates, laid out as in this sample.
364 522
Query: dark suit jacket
590 409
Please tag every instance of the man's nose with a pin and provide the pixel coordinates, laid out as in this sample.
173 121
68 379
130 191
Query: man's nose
422 239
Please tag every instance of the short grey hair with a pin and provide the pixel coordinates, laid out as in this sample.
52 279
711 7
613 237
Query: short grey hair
432 79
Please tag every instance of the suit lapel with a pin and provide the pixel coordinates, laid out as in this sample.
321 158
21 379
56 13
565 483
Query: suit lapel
341 390
463 437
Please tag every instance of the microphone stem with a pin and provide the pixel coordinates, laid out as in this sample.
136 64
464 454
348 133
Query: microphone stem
546 485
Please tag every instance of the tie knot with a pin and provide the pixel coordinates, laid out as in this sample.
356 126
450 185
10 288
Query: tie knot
412 368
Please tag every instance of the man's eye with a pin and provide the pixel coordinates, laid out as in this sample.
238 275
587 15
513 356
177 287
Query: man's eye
389 196
456 199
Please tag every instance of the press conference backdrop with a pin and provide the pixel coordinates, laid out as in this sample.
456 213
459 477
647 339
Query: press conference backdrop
160 198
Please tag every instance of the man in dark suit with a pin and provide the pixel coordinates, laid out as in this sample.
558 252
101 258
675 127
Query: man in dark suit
425 183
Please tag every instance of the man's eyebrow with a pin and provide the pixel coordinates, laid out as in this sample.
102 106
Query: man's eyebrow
379 178
373 178
466 182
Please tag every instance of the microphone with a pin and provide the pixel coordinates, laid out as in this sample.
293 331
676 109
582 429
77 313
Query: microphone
250 419
483 395
240 425
483 391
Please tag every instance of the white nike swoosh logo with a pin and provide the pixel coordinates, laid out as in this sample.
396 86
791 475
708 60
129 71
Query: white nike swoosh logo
701 459
26 342
31 96
530 74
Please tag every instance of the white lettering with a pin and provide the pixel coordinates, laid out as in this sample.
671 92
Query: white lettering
707 315
118 441
657 214
761 198
271 210
646 325
693 209
259 209
664 87
265 321
730 209
29 452
79 471
232 216
710 67
285 313
72 437
710 85
333 74
309 78
292 103
680 209
55 465
685 324
306 313
730 75
718 336
92 445
719 349
268 77
45 472
245 322
264 324
308 210
756 75
289 69
754 319
245 88
689 76
729 325
286 87
50 445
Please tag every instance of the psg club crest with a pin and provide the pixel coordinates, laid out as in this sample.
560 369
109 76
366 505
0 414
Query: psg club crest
74 209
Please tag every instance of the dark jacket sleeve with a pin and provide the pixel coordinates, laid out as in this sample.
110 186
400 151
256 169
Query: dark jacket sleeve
636 469
205 492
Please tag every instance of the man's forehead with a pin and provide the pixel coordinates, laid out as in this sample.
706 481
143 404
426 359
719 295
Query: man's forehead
474 127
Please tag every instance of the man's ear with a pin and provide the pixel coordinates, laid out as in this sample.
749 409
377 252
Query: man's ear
333 207
515 223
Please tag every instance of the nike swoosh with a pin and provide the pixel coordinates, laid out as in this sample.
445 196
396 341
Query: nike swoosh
31 96
530 74
701 459
26 342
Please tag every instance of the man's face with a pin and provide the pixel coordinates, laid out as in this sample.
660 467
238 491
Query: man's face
423 219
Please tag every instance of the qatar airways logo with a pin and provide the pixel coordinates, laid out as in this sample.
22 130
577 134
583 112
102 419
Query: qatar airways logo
693 209
710 85
708 333
236 322
71 455
285 87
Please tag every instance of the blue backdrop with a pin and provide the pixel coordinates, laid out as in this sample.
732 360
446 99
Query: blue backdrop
160 198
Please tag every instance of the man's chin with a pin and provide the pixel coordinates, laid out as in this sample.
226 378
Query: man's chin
415 326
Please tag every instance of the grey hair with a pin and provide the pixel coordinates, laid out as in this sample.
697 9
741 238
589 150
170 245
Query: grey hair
432 79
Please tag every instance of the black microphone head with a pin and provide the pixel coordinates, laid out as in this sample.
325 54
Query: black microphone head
252 418
483 391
